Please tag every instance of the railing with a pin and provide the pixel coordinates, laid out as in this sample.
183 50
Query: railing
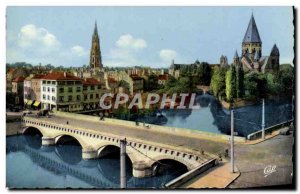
270 129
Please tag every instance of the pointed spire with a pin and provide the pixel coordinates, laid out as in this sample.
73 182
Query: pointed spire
252 34
95 34
275 51
236 55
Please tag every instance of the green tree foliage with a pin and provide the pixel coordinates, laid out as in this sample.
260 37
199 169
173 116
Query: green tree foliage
273 84
256 85
286 79
217 84
204 73
240 81
182 85
231 83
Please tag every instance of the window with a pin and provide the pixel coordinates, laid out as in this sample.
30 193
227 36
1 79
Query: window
69 98
48 89
92 87
48 82
53 82
48 97
84 88
78 89
78 97
61 83
53 89
61 90
70 89
91 96
53 98
61 98
44 96
85 97
97 96
44 81
44 89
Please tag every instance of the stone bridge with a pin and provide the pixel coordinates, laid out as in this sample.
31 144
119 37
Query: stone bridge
145 155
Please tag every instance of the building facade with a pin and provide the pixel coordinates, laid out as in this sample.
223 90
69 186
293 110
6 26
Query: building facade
92 91
61 91
18 90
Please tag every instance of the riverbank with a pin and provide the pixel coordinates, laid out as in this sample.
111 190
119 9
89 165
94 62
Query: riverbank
13 123
238 103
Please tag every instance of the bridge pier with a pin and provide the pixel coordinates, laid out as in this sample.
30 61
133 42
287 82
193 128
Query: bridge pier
89 154
141 169
48 141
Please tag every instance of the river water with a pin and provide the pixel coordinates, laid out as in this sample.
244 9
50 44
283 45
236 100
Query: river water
31 165
211 117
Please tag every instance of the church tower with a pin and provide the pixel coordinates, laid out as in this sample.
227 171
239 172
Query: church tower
95 56
236 59
251 42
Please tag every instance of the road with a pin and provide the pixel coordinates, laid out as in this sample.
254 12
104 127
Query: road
173 140
252 160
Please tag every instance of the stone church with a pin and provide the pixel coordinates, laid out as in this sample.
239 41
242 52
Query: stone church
251 58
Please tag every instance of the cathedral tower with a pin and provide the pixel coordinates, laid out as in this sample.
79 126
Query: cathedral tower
251 42
95 56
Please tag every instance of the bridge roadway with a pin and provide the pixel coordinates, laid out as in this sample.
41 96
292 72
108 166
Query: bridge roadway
148 146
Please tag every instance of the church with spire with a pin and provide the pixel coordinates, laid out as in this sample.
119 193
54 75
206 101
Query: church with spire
251 56
95 55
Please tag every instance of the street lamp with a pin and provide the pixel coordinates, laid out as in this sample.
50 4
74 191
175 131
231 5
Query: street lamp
123 181
263 120
232 143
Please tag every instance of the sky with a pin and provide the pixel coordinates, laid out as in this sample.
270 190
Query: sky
146 36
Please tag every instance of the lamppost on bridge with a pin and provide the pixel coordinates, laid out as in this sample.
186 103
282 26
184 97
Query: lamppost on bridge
123 182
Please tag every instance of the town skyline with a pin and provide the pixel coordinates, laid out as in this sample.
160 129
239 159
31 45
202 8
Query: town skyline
31 41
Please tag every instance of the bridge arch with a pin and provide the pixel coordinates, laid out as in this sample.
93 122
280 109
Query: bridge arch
72 153
109 168
66 138
32 130
168 165
170 159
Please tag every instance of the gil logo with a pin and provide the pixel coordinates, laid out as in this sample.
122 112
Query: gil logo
269 170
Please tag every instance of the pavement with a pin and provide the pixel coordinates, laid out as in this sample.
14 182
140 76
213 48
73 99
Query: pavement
266 163
218 177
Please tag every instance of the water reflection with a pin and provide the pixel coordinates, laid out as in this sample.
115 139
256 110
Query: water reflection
61 166
211 116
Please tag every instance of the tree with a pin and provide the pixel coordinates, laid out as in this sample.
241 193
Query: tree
240 81
217 84
204 73
231 84
286 79
256 85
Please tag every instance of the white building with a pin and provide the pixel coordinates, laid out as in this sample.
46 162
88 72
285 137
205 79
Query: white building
61 91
